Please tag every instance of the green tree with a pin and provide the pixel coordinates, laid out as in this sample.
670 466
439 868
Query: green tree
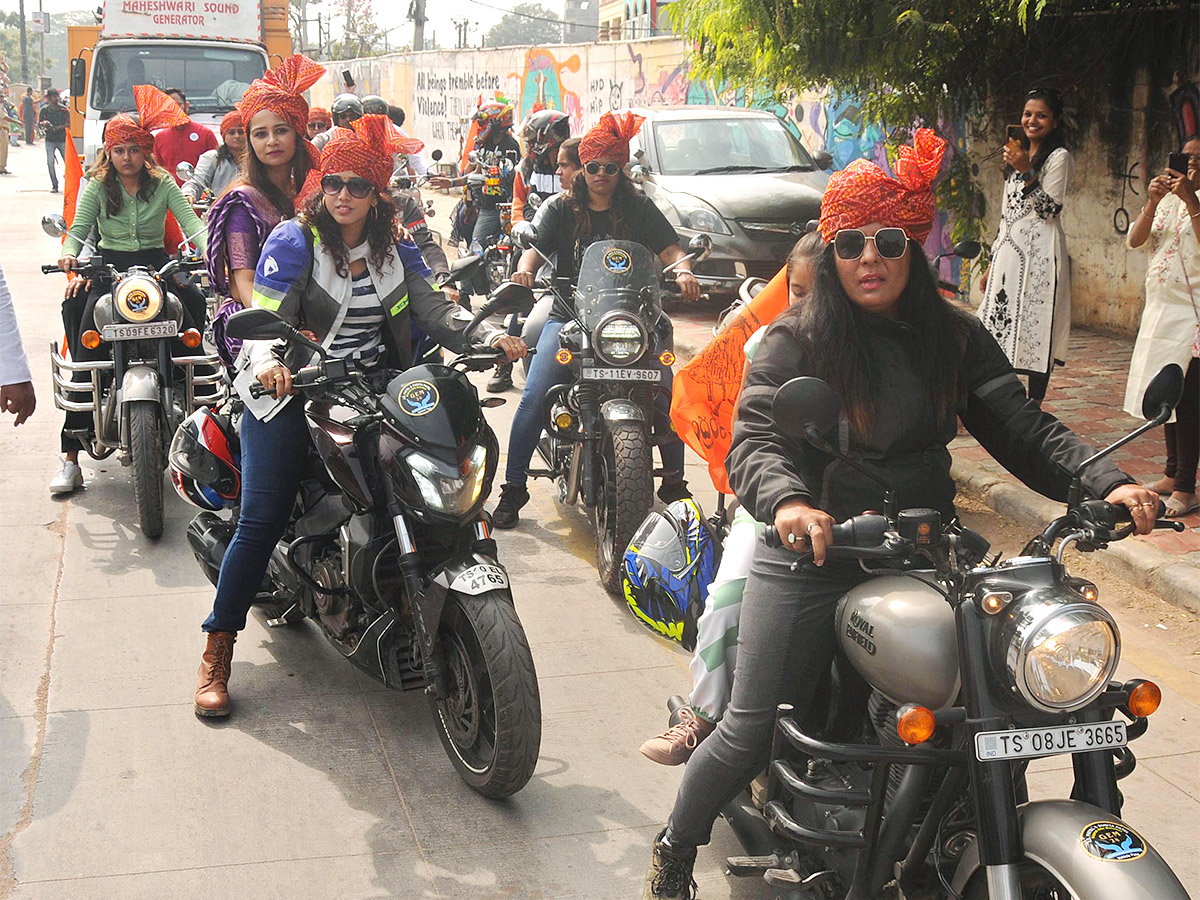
527 24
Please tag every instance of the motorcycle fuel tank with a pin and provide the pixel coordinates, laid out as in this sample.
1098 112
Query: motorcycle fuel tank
899 635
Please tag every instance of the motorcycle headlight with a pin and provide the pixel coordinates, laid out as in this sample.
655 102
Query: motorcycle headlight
620 340
1060 653
448 489
138 299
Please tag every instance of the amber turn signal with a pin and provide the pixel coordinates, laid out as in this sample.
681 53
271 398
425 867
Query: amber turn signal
190 338
563 421
915 724
667 358
90 339
564 357
1144 698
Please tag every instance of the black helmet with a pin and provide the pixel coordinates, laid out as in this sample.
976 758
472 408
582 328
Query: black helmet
543 132
346 105
374 105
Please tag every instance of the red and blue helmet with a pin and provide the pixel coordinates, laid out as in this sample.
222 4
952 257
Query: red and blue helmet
206 461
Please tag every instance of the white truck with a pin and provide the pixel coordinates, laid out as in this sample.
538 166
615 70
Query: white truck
210 49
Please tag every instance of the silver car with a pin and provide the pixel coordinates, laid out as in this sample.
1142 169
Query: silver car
737 175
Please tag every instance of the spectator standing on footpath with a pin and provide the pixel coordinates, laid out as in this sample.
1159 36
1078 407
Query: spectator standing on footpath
1027 300
8 117
57 119
28 114
16 382
183 143
1170 329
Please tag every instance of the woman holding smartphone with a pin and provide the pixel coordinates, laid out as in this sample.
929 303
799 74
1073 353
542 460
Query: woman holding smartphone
1027 298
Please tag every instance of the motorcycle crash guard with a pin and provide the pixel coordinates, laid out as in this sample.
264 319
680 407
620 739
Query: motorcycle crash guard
1093 853
616 412
139 383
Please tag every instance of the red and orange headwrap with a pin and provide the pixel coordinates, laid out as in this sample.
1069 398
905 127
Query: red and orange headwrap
863 193
610 138
319 114
232 121
365 148
281 91
155 110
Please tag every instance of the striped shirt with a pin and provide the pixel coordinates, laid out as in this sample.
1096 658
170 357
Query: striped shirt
361 334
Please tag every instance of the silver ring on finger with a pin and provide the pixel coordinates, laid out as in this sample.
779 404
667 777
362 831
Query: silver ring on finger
791 537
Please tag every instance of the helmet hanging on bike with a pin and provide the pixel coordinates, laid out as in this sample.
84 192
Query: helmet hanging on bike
542 134
205 460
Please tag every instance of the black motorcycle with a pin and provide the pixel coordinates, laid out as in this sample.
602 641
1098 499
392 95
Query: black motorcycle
907 778
600 426
156 373
389 551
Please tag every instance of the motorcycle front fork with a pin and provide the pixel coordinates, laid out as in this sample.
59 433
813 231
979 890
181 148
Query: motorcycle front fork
410 570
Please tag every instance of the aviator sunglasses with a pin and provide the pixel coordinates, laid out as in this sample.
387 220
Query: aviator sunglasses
359 187
594 168
890 243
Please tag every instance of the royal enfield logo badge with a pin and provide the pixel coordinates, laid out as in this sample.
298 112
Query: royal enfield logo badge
1112 841
418 398
617 261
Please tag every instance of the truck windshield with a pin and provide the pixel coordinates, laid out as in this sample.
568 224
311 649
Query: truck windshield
715 145
213 78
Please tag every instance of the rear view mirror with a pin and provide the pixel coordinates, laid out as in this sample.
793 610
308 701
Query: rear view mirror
78 77
807 409
436 155
257 324
511 297
54 225
1163 393
525 233
184 171
700 247
967 249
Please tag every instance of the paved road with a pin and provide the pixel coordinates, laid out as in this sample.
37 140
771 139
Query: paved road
322 784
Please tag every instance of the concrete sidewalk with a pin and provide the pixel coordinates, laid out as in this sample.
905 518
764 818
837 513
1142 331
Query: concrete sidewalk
1087 395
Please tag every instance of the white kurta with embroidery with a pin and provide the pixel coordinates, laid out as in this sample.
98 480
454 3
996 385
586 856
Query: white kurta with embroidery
1168 318
1027 302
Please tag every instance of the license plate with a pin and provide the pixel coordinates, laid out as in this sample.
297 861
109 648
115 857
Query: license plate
480 578
140 332
1019 744
593 373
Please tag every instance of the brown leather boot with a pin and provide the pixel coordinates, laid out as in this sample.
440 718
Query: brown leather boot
212 686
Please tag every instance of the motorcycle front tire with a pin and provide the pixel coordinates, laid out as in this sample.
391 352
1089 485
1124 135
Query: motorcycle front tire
490 723
625 498
146 449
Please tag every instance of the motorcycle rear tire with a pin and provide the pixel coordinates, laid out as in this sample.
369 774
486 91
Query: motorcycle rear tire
493 694
626 497
146 449
1036 884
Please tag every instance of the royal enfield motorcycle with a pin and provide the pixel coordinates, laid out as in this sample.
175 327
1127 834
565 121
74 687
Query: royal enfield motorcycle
390 553
907 778
600 425
158 372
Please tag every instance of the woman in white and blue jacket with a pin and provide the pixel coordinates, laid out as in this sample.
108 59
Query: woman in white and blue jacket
338 272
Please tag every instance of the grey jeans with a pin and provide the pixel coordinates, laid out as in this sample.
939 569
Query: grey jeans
785 643
53 147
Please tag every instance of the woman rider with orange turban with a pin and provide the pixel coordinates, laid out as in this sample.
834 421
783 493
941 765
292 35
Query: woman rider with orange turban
906 366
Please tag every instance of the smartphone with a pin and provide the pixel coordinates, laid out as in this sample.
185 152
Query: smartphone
1178 162
347 78
1016 133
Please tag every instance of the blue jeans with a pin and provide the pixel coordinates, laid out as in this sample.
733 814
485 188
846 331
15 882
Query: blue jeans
544 373
52 147
273 455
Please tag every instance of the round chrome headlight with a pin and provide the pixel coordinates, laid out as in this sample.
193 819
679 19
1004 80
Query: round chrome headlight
620 340
138 299
1060 653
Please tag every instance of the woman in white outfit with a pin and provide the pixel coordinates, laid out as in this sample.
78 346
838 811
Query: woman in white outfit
1170 329
1027 299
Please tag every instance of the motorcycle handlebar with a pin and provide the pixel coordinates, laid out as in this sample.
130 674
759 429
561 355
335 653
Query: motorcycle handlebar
865 532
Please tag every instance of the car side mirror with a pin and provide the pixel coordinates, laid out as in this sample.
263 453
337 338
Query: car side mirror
700 247
1163 393
525 233
807 409
78 77
823 159
184 171
967 249
436 155
54 225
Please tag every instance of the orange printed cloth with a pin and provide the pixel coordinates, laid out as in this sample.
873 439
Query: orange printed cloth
281 91
705 393
232 121
863 193
610 138
155 110
365 148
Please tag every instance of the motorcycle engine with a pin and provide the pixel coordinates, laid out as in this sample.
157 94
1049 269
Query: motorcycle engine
337 612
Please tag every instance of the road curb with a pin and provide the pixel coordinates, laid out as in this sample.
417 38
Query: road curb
1175 578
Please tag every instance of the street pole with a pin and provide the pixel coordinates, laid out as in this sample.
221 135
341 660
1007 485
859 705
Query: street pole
42 44
418 24
24 48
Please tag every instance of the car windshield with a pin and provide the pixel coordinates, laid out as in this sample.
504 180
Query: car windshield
213 78
737 144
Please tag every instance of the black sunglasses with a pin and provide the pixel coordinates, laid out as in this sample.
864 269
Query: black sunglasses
890 243
358 187
594 168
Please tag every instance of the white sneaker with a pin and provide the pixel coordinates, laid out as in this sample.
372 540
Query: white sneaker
68 477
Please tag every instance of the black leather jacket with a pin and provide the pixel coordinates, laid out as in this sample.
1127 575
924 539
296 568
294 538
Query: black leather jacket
908 445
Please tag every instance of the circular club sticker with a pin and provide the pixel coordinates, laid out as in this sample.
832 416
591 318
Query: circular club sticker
1112 841
617 260
418 398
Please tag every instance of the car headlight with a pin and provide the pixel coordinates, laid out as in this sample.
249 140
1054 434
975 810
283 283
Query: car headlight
446 488
138 299
620 340
1060 653
697 215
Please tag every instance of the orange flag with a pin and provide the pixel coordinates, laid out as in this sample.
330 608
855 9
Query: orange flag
706 389
72 176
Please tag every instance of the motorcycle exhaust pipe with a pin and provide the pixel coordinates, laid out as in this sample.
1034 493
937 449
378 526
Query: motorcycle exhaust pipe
749 826
209 537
